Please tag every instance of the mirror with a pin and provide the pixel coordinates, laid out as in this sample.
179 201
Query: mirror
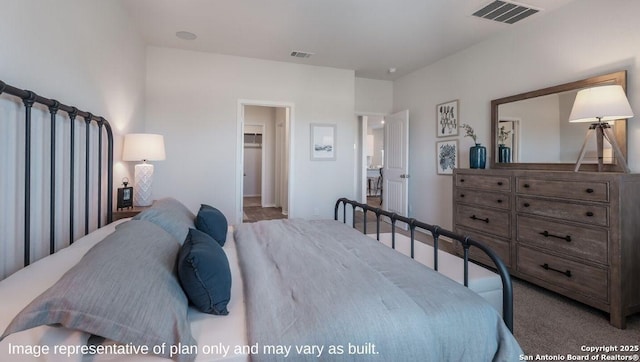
531 130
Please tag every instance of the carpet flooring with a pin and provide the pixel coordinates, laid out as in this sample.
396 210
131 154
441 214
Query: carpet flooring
548 323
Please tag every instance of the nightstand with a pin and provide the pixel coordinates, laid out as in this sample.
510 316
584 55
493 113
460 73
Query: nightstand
130 212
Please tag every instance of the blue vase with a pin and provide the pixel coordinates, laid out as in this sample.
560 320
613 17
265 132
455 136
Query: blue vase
504 154
477 156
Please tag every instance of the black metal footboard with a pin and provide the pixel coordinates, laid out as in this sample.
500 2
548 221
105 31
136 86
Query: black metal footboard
44 148
436 231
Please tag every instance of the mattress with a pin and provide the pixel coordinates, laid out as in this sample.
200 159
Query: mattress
217 336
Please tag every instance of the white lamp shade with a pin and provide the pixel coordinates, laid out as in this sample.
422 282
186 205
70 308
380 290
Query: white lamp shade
604 103
143 146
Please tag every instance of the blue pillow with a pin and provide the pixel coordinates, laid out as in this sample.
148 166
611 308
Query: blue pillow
203 270
211 221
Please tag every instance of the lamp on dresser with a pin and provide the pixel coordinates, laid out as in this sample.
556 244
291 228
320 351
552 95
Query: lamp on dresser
143 147
599 105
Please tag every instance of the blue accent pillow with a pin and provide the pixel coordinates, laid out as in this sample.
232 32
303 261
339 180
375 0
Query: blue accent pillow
203 270
211 221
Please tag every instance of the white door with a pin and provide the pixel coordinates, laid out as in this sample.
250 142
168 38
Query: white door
395 174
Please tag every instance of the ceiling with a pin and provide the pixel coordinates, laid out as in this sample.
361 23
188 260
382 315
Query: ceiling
368 36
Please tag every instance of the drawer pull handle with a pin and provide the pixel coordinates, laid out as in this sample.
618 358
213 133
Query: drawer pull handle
461 180
546 266
589 191
526 204
499 183
499 201
589 213
526 186
547 235
473 217
461 195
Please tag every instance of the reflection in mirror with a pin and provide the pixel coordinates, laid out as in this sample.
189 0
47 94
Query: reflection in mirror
532 130
508 139
550 138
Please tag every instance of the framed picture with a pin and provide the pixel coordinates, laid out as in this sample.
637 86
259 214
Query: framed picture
447 119
323 142
125 197
446 156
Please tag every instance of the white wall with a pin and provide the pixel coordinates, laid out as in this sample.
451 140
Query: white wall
192 99
373 96
560 47
84 53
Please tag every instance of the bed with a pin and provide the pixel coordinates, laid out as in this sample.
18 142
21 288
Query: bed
295 289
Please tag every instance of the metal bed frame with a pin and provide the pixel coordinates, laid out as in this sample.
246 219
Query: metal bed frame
30 98
436 231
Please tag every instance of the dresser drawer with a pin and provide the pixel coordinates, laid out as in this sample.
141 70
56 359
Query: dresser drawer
586 280
494 183
584 191
482 198
499 246
590 214
577 241
491 221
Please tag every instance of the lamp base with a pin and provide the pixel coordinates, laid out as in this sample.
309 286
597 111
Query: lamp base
602 130
144 180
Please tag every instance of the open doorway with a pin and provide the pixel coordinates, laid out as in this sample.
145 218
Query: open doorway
383 159
375 160
371 159
265 129
384 156
254 162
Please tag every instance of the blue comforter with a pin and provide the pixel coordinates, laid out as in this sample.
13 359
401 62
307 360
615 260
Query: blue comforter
320 290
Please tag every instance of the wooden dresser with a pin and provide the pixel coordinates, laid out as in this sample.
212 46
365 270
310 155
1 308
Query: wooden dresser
577 234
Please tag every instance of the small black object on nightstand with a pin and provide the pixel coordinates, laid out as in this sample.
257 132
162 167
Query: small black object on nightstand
125 195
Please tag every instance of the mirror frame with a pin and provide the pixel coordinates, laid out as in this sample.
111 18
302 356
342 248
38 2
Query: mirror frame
620 128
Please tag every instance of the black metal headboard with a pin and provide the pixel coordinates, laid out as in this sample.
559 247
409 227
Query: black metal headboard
92 152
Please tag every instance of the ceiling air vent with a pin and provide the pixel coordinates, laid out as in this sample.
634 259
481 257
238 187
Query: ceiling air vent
505 12
299 54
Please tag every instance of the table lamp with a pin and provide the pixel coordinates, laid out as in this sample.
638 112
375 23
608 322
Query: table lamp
143 147
599 105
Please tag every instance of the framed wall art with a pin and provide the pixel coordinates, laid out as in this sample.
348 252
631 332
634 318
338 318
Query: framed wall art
323 142
446 156
447 119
